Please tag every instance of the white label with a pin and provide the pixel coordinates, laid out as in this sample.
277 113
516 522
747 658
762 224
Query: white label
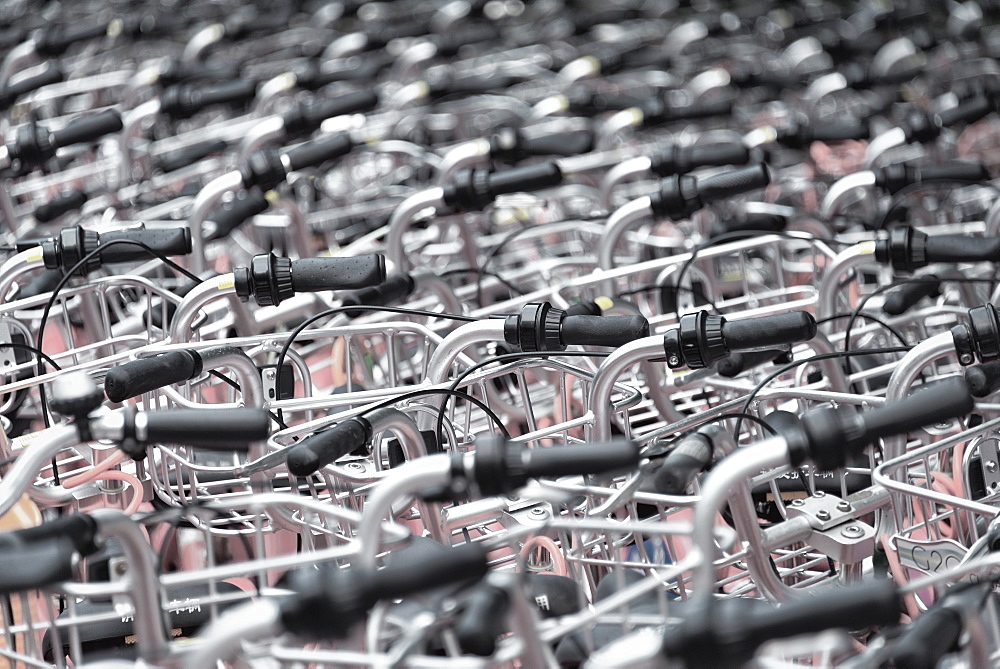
930 557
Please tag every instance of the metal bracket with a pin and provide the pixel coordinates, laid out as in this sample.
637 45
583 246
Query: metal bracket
7 358
989 453
835 531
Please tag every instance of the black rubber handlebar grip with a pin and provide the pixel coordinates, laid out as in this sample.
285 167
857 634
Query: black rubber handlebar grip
894 178
940 401
86 129
756 222
448 44
28 566
735 182
55 40
728 636
732 153
800 136
44 555
396 288
318 151
61 204
967 111
769 331
838 133
471 85
927 639
234 213
329 601
603 330
682 159
983 379
307 117
526 179
841 608
136 377
570 143
901 299
316 274
184 100
960 248
9 94
214 429
482 620
695 111
79 528
175 160
471 190
43 282
580 459
169 242
175 72
314 452
682 464
455 565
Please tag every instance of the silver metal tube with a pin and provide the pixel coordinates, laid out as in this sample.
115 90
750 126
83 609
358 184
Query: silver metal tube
431 282
17 265
6 200
208 197
298 227
32 460
266 131
412 442
463 156
144 585
836 197
855 256
270 90
187 310
400 221
17 58
876 148
831 367
479 511
789 531
728 479
133 125
249 377
620 222
347 45
524 623
627 169
627 118
202 40
407 65
907 371
440 362
607 374
993 220
409 479
222 638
